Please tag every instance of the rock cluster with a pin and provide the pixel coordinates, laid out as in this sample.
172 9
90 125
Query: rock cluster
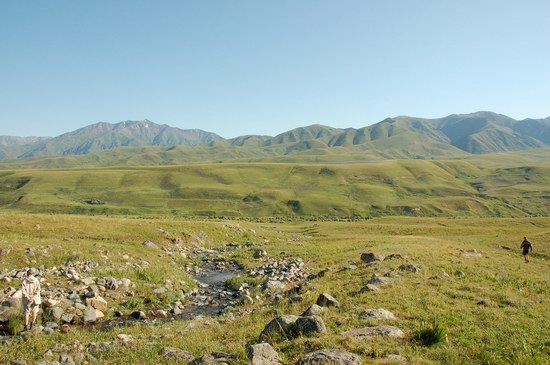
281 271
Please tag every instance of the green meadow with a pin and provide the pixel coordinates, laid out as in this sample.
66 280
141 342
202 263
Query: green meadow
486 308
502 185
496 313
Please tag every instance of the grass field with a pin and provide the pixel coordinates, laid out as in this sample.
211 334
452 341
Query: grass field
496 314
505 185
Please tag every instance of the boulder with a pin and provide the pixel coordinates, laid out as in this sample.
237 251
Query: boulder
379 313
369 257
378 331
10 308
263 354
330 357
327 300
313 310
178 354
307 326
280 326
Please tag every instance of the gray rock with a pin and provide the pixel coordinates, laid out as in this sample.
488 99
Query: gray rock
89 314
330 357
394 256
472 253
215 358
370 288
369 257
150 244
56 313
10 308
175 353
379 313
280 326
259 253
263 354
380 280
307 326
409 267
378 331
111 283
67 318
327 300
313 310
392 359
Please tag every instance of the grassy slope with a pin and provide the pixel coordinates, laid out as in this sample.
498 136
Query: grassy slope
490 185
512 329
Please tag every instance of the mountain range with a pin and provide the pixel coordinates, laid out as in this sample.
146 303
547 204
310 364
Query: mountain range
399 137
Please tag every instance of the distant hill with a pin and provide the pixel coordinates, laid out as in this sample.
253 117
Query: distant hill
401 137
106 136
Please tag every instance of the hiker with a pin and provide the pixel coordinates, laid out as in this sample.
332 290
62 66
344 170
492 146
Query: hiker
31 298
527 247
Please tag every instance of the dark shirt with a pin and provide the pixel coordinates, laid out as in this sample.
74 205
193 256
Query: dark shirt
526 246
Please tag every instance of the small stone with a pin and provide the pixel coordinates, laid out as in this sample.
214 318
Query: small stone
150 244
409 267
125 339
259 253
378 331
327 300
380 280
97 303
330 357
379 313
263 354
89 314
370 257
370 288
313 310
159 313
138 315
175 353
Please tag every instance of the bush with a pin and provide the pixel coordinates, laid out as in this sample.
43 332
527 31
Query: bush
295 205
429 334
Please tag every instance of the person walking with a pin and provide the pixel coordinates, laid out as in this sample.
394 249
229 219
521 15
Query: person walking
526 247
31 298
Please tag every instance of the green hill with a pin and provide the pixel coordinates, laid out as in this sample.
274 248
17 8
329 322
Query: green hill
488 185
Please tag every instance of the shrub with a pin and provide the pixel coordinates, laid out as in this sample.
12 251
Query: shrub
429 334
295 205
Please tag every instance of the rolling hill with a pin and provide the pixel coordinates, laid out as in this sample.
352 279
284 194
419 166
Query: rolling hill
393 138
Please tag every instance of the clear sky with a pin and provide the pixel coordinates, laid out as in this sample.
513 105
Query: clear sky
239 67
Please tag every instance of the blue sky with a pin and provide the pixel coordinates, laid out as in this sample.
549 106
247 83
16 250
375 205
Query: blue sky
263 67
